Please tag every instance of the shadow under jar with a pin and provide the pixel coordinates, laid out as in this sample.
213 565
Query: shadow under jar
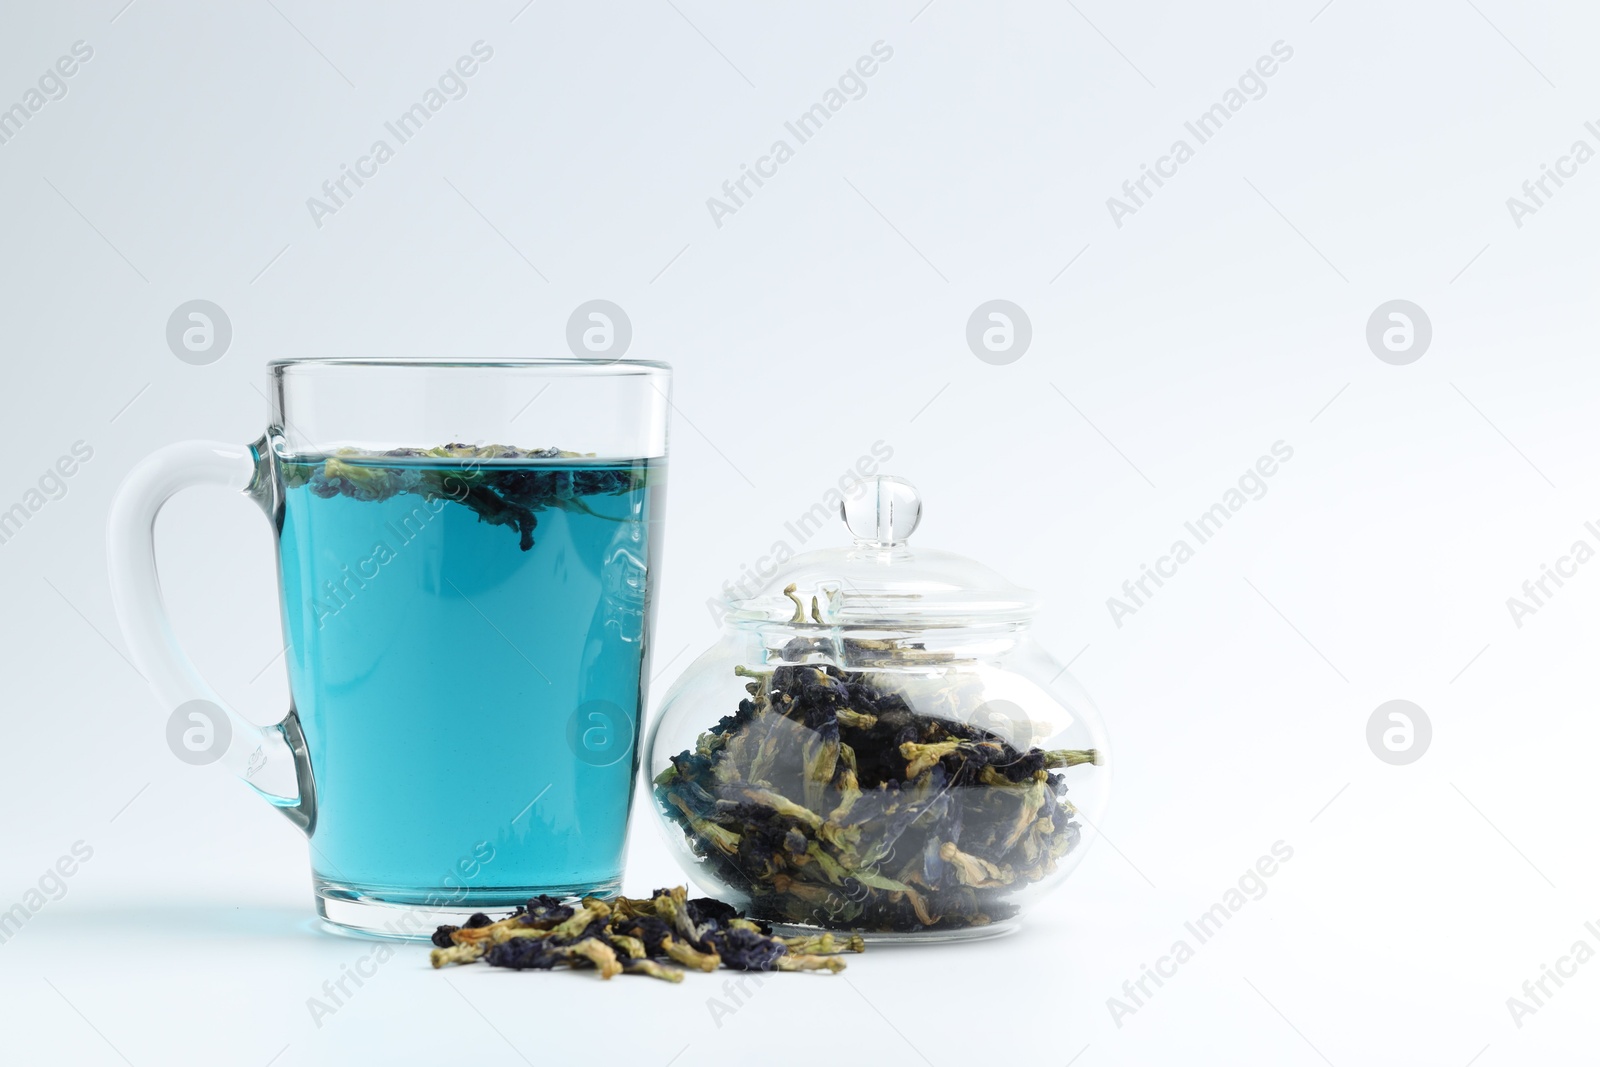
877 745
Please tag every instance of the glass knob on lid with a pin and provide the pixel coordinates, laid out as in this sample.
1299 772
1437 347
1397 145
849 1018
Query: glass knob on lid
884 513
880 580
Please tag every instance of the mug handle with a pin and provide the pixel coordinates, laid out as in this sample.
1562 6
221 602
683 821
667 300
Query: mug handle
272 760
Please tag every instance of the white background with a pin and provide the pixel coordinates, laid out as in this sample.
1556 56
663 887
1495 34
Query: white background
828 313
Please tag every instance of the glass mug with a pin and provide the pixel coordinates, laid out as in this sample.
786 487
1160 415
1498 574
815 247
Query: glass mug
468 625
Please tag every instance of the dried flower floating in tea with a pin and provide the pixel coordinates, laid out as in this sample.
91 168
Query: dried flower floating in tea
503 484
657 937
829 801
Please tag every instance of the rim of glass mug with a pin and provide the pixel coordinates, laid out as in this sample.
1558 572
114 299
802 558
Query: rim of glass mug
322 404
623 365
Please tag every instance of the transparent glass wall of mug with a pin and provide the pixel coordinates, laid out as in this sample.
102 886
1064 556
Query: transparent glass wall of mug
467 558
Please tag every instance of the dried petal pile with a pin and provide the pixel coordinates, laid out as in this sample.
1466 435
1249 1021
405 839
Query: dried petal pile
658 937
826 800
486 478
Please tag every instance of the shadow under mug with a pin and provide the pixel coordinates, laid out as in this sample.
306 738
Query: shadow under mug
468 625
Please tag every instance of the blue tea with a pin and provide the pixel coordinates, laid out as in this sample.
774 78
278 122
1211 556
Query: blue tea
468 647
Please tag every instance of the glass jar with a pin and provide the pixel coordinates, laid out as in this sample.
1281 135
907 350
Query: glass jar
876 744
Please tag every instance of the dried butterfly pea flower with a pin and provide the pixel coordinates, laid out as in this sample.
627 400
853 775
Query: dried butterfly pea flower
582 922
632 936
824 944
652 969
809 963
525 953
545 911
628 948
648 930
704 910
745 951
690 956
596 952
829 801
465 952
500 494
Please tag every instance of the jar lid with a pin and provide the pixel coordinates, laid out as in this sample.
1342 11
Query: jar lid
881 581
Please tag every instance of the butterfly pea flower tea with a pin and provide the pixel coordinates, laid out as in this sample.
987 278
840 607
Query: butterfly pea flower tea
499 593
